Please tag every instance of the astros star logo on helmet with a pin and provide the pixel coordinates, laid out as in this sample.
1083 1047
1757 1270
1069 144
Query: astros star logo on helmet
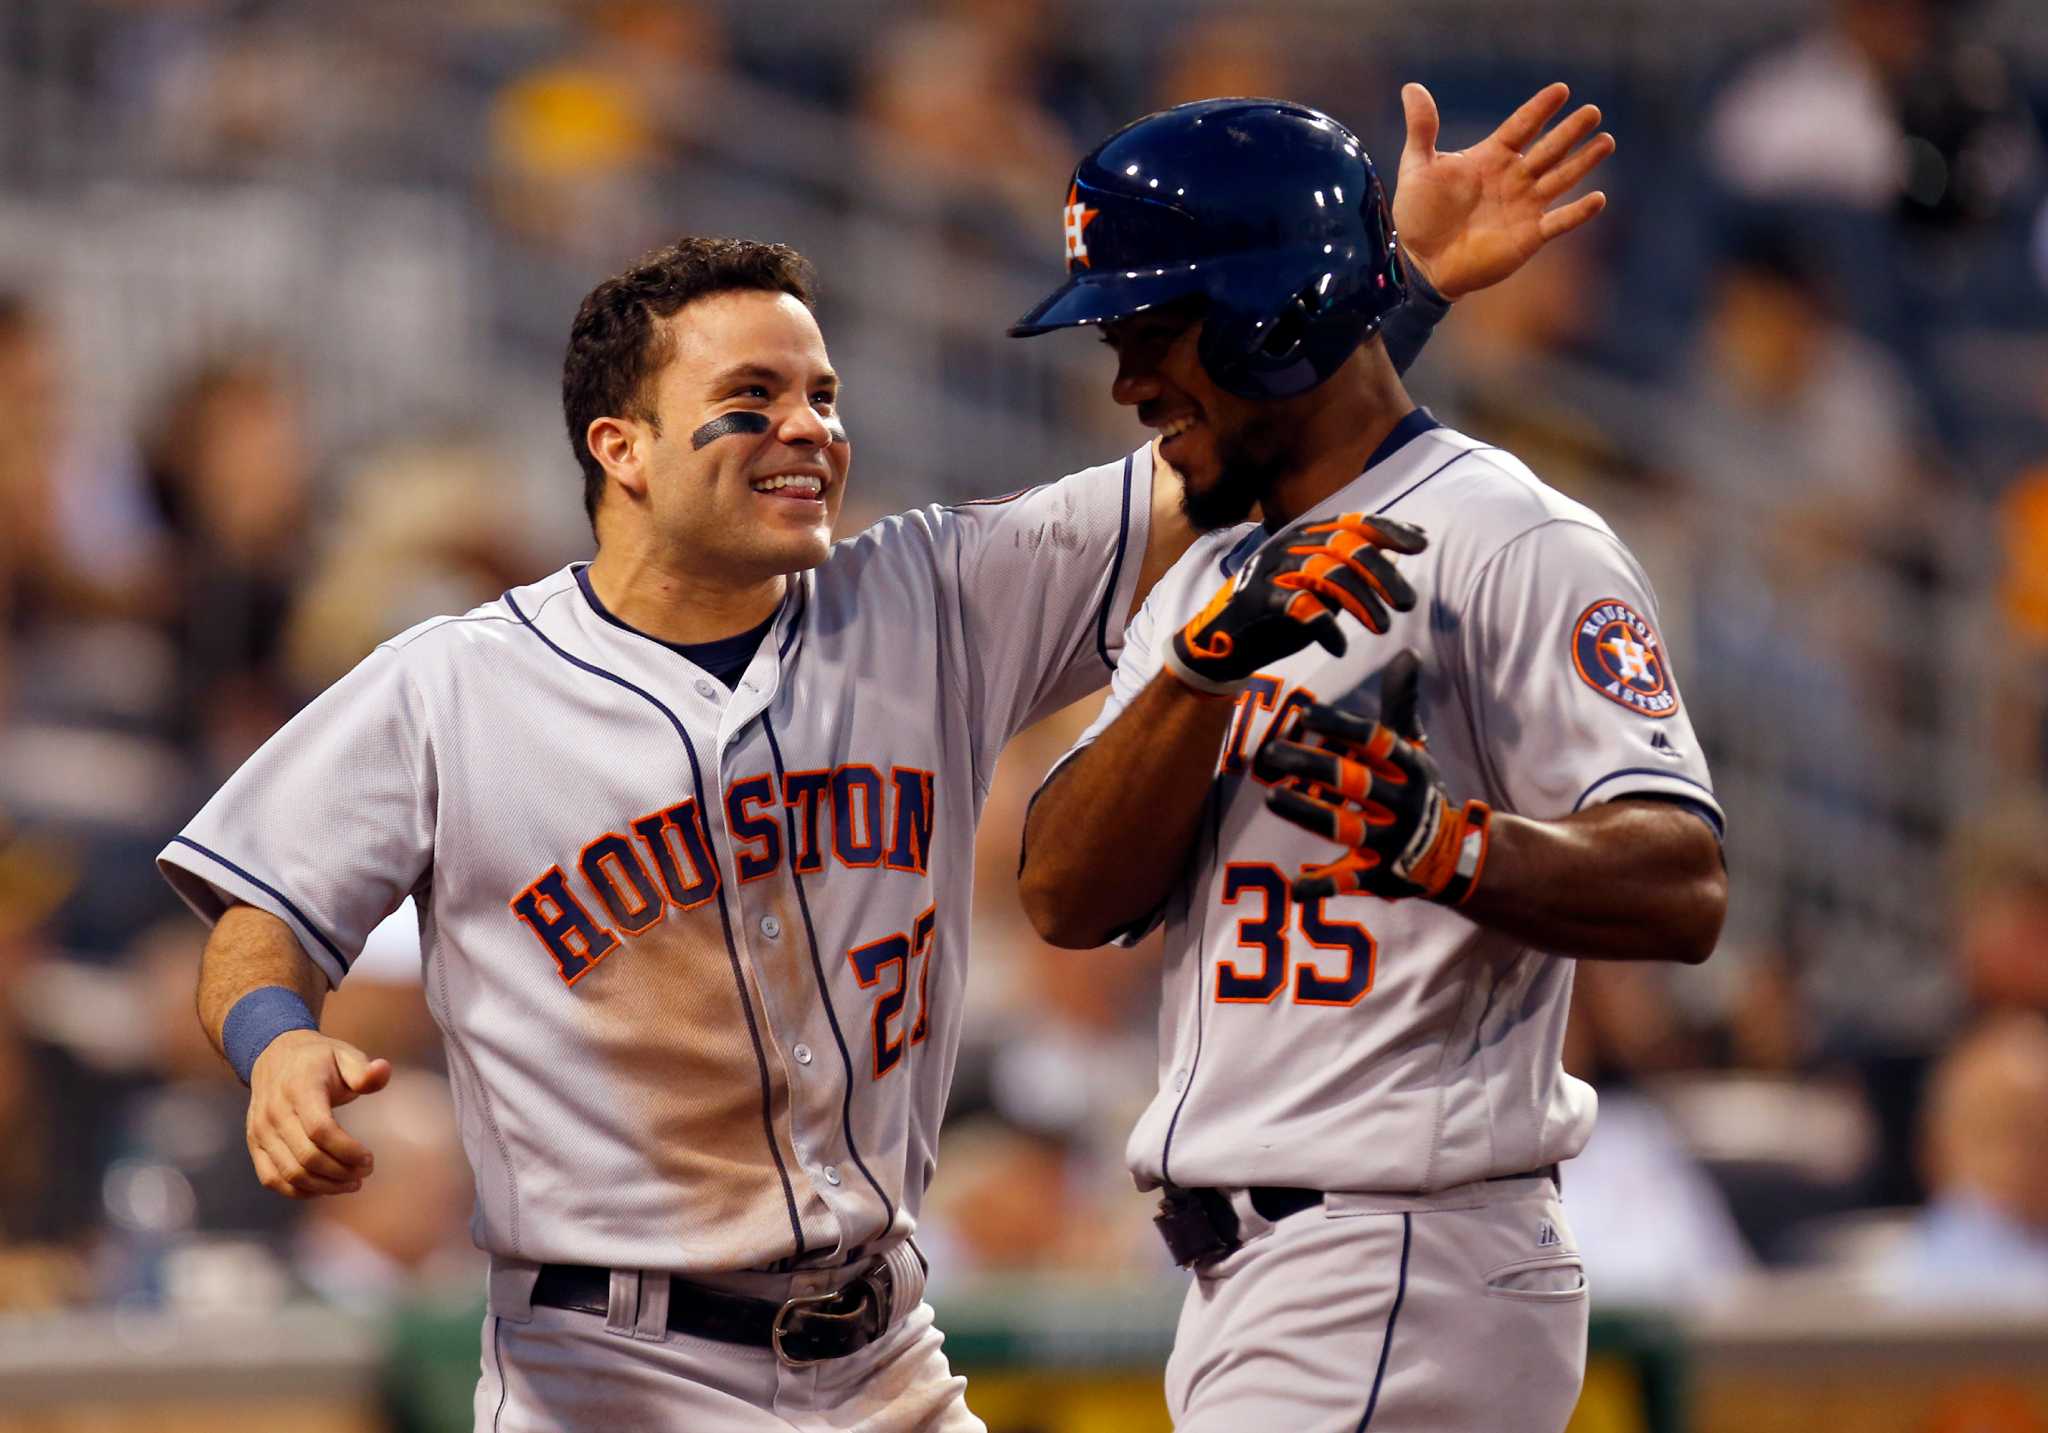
1079 216
1617 653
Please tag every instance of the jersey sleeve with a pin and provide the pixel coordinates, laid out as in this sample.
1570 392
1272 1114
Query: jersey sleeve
1138 664
1571 691
1045 580
329 826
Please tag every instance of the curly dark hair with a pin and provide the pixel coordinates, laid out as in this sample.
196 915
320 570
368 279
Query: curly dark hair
617 344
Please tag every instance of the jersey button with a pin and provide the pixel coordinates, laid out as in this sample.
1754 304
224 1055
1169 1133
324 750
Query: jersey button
705 689
831 1175
803 1054
771 927
1180 1080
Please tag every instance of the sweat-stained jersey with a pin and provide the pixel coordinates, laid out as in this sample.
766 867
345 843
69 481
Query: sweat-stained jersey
697 953
1353 1043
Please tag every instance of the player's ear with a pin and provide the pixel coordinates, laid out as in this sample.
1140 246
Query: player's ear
620 447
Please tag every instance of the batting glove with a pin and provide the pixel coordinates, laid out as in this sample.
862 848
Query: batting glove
1289 594
1372 787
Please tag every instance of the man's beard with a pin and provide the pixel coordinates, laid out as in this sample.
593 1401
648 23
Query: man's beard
1250 465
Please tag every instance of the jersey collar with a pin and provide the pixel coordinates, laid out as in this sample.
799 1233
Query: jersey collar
1414 423
694 651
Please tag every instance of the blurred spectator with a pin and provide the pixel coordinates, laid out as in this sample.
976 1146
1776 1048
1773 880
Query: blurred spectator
224 89
954 114
577 142
1226 54
1655 1229
80 564
231 472
425 528
1808 561
53 1108
75 540
402 1237
1819 118
1015 1199
185 1119
1889 106
1793 410
1999 892
1519 369
1983 1237
2021 702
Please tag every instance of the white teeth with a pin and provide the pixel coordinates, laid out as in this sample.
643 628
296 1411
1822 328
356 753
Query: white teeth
799 484
1177 427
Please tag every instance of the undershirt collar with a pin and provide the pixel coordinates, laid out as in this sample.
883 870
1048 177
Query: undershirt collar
725 658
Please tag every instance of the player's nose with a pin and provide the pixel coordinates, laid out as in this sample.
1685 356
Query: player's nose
1136 381
804 427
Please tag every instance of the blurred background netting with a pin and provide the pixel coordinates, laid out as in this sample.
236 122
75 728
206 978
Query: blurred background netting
283 290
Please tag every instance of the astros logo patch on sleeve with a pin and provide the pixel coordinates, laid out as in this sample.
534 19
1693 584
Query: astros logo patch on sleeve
1618 655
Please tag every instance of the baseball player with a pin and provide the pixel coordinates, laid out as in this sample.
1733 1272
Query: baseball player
689 831
1379 765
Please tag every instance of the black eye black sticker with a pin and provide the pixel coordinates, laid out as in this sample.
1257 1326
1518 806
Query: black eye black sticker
726 425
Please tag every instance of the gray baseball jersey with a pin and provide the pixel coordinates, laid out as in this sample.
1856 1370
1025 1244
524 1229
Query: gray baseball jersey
697 953
1357 1044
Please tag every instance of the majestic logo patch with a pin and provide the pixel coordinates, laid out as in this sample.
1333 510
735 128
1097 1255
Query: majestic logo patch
1618 655
1546 1235
1079 216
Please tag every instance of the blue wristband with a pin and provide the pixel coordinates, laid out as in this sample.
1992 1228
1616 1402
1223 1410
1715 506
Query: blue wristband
1408 327
258 1018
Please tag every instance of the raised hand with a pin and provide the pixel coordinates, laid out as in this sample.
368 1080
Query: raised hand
1468 218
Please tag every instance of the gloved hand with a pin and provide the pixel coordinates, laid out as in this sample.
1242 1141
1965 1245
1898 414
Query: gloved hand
1289 594
1371 786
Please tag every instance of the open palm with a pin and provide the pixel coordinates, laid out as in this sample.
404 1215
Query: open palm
1470 217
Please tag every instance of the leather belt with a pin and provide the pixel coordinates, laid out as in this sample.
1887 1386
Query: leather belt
807 1329
1276 1202
1200 1227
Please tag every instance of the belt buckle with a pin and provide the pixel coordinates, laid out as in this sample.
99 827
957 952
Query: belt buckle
801 1305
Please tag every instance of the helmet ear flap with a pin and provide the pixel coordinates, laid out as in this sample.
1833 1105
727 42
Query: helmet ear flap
1297 347
1285 333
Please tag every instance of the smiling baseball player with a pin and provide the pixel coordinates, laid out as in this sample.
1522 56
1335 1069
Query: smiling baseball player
689 828
1361 1106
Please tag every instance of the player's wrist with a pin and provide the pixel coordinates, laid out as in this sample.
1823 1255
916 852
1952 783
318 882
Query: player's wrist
1458 858
1199 682
257 1021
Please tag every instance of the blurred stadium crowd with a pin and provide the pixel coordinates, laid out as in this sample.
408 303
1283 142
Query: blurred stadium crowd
282 291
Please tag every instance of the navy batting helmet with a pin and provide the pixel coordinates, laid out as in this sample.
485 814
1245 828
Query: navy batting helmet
1271 210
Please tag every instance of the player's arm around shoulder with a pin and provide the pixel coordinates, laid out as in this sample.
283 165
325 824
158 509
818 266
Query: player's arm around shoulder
259 1001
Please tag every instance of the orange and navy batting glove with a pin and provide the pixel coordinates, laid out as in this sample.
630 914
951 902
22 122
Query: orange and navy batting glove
1372 787
1289 593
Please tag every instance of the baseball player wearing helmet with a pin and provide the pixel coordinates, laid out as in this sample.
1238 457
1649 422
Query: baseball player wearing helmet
1382 764
689 830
